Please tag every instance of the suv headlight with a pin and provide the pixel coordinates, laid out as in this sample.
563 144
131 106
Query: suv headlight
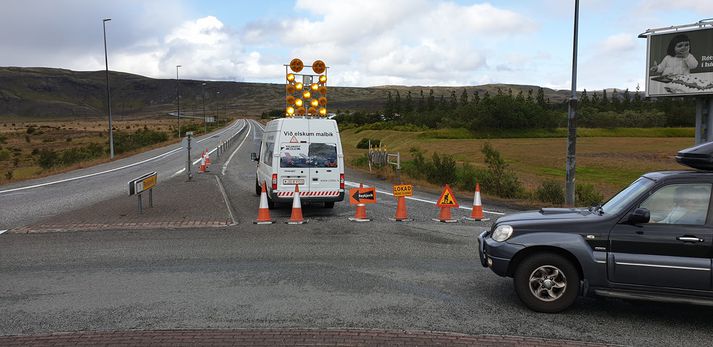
502 233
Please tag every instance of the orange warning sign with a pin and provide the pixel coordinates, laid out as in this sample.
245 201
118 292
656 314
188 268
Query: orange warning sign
447 198
362 196
403 190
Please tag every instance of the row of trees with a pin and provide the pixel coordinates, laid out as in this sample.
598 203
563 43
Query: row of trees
532 109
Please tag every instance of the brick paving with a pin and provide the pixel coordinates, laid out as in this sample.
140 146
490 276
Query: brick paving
177 204
281 337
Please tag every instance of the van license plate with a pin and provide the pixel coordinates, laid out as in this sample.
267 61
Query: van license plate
293 181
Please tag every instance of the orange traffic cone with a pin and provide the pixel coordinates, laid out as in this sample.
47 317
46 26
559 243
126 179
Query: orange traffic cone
201 169
296 217
445 216
401 214
207 157
360 215
263 212
477 214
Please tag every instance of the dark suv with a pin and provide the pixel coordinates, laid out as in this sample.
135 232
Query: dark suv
651 241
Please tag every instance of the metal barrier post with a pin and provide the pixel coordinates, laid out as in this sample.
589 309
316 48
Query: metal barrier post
141 209
151 197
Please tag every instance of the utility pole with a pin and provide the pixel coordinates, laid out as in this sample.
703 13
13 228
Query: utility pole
205 122
572 119
108 93
178 103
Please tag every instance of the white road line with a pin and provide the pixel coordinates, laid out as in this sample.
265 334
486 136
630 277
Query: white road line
225 165
105 171
227 202
352 184
2 231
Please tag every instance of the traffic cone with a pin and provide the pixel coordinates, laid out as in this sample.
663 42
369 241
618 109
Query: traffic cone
401 214
207 157
263 212
445 216
360 215
296 217
477 213
201 169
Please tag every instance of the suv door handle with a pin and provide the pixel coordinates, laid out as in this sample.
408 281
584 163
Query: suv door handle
689 239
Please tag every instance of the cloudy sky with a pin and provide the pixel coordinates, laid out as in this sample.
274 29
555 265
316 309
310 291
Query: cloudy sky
364 42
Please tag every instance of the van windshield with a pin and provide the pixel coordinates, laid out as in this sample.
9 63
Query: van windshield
314 155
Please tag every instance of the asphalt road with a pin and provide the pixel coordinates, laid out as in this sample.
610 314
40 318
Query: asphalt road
328 273
29 201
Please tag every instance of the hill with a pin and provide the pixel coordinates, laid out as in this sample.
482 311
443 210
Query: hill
34 93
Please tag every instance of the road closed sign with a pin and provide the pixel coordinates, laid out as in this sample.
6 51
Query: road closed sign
403 190
362 196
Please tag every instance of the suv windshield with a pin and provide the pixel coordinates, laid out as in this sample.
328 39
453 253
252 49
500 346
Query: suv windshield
626 196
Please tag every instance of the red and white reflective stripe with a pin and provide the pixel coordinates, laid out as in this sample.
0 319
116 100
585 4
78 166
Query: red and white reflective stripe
308 194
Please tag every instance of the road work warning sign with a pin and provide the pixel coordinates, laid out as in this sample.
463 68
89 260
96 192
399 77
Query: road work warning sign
447 198
403 190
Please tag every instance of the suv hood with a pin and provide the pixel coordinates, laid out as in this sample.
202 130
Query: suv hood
546 214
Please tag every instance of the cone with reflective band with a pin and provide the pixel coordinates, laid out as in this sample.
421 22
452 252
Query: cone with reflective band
296 217
477 213
445 214
207 157
201 169
263 212
401 214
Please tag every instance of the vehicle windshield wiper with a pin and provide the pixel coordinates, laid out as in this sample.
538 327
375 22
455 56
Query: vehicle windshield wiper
597 209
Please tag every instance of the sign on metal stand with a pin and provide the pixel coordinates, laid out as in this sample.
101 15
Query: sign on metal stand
142 184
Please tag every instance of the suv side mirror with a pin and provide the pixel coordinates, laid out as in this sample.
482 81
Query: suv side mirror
639 216
253 156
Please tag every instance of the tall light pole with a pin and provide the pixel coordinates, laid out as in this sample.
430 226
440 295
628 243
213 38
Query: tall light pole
108 94
572 119
178 103
217 105
205 123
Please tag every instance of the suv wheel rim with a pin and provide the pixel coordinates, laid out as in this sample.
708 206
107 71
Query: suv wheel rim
547 283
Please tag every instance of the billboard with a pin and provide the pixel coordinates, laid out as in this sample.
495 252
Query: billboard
680 63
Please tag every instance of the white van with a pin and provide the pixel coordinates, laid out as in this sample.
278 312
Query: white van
305 152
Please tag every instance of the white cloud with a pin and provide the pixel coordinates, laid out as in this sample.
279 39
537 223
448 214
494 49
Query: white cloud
699 6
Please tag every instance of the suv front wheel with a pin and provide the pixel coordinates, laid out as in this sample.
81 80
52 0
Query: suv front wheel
546 282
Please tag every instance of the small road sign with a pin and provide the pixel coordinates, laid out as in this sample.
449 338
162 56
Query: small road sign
447 198
362 196
403 190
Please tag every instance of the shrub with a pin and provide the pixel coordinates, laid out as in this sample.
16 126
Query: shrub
364 143
501 181
361 161
124 142
31 129
3 139
550 191
586 195
35 151
467 176
443 169
27 138
48 159
4 154
8 175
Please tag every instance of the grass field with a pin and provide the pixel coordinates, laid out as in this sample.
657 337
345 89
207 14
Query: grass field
608 162
22 141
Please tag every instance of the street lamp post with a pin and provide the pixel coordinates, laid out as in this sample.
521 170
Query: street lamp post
178 103
108 94
571 165
205 123
217 105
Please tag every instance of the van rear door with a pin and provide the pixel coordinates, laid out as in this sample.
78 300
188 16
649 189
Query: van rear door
323 157
293 166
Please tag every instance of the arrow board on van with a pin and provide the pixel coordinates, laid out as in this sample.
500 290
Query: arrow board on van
362 196
447 198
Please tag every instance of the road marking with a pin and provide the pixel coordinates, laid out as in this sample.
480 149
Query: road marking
352 184
2 231
225 166
227 202
102 172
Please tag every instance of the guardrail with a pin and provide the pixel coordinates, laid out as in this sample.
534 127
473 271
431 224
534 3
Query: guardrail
225 145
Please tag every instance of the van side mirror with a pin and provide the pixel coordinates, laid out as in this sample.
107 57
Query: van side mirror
639 216
253 156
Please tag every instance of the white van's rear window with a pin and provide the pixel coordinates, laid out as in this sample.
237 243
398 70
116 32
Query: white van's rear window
302 155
